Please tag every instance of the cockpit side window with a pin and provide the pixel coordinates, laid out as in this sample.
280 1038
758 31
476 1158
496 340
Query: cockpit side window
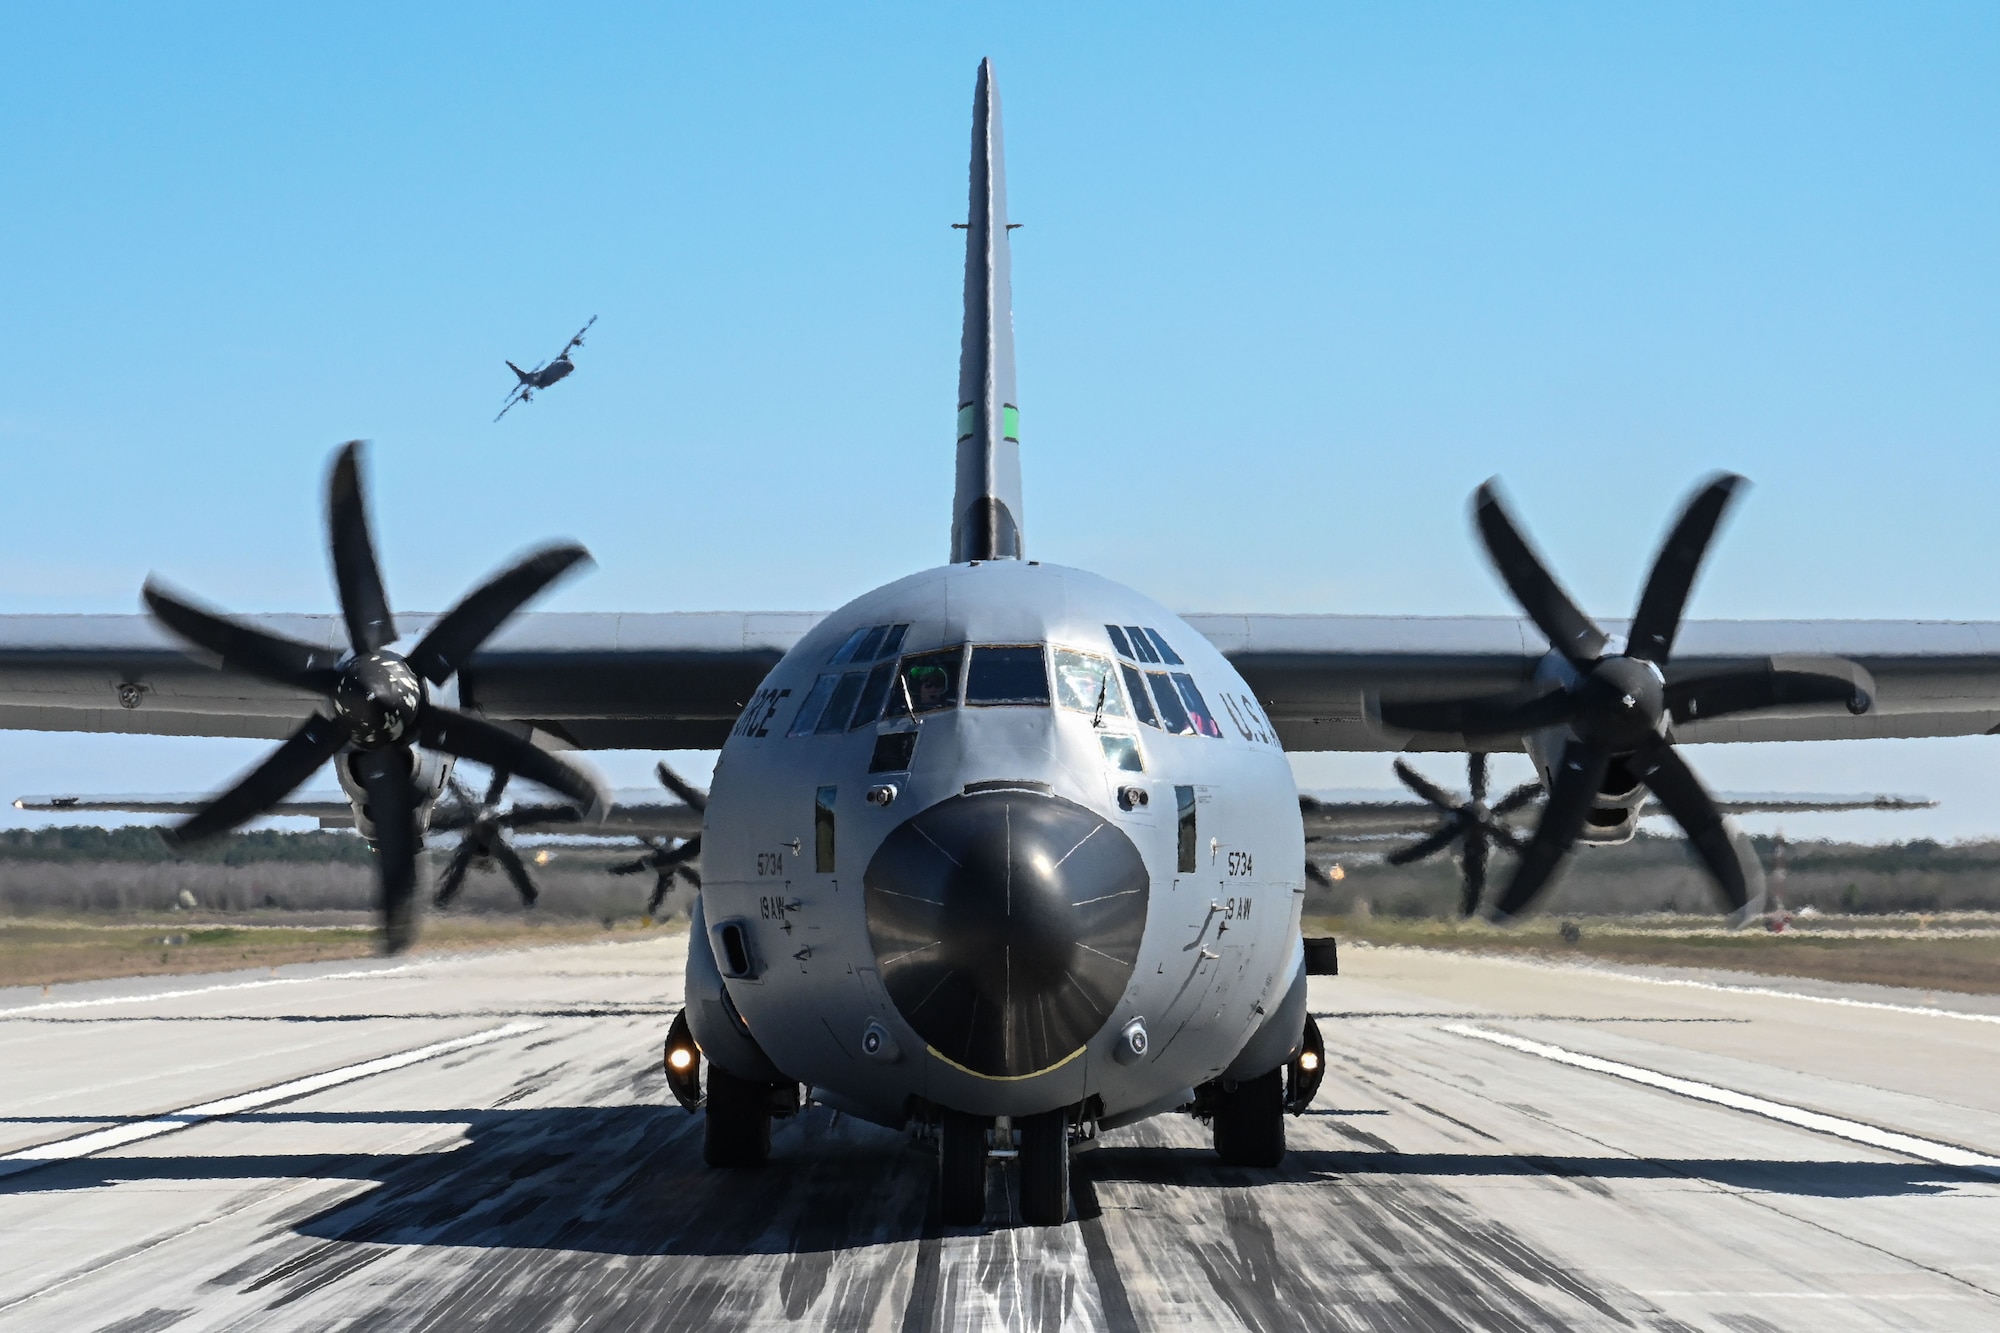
868 644
1167 654
1010 674
873 693
1142 707
1087 683
845 653
1118 640
1122 752
1197 707
840 704
814 705
871 646
1173 715
926 683
1142 647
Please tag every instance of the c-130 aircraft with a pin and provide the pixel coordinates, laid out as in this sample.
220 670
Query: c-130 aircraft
1002 850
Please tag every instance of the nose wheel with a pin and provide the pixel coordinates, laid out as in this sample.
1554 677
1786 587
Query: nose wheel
962 1168
1044 1166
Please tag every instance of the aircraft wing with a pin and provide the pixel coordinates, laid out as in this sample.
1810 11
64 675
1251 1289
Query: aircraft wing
331 811
638 814
674 681
680 680
1350 815
1318 677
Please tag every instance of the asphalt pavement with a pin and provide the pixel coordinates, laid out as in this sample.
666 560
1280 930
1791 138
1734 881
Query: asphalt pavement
487 1141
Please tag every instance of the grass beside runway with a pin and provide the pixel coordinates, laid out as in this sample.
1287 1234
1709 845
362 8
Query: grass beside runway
1948 952
48 950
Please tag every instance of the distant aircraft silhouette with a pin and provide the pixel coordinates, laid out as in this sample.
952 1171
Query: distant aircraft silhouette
542 376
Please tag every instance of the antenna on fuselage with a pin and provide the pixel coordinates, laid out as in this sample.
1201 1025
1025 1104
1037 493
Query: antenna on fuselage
986 508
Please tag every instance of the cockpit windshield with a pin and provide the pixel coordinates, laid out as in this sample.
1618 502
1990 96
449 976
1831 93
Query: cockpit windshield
1088 683
1007 674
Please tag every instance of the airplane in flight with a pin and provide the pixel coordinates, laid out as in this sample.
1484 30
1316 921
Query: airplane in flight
1002 851
544 375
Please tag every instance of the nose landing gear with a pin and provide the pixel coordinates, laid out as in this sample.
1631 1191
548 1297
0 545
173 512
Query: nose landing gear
962 1168
967 1144
1044 1164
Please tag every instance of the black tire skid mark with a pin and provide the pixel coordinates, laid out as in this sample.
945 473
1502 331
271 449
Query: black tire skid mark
1379 1253
667 1216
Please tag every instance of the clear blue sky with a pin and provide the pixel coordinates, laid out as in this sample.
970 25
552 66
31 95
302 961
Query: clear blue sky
1293 281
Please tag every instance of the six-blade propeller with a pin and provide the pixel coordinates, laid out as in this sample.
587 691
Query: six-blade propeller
1472 824
1616 707
378 702
483 826
667 860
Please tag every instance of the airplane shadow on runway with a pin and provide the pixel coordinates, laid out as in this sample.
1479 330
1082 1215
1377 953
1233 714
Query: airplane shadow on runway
630 1180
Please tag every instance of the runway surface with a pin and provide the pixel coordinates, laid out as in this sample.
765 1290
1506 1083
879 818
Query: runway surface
487 1142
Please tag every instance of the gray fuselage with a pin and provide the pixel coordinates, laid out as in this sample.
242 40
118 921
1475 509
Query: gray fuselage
976 923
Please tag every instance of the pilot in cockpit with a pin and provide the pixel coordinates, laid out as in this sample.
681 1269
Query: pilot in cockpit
931 685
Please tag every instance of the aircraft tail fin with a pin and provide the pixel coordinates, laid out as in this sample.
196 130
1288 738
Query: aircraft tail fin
519 373
986 509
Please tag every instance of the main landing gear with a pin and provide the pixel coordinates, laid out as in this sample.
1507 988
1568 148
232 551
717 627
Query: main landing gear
737 1112
736 1129
967 1145
1248 1115
1250 1120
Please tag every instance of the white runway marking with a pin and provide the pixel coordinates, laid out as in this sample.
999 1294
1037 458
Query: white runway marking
46 1005
1772 992
101 1140
1927 1150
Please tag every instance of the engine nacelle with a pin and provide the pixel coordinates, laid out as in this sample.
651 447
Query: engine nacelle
429 771
1614 817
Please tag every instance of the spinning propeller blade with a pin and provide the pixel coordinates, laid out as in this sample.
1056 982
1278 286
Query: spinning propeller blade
1471 824
379 702
1619 705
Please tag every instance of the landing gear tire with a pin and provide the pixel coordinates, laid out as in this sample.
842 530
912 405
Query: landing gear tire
1044 1165
736 1128
1250 1121
962 1169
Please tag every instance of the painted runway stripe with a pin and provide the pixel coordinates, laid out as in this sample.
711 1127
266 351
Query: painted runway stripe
1771 992
1927 1150
46 1006
118 1136
1922 1011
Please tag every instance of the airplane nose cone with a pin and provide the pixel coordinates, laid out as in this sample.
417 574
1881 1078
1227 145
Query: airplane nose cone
1005 926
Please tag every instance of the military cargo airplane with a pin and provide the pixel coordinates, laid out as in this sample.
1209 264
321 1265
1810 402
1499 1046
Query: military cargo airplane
1002 850
544 375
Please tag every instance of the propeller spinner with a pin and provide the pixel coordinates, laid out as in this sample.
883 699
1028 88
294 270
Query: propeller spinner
379 701
1618 707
